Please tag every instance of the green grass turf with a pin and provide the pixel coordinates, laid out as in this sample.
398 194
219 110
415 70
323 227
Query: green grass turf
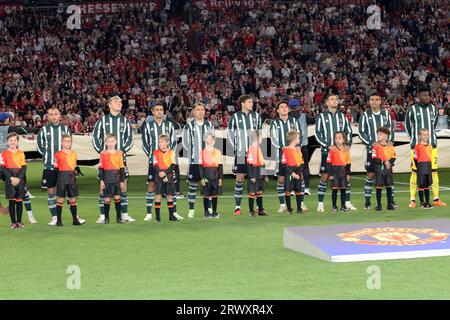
228 258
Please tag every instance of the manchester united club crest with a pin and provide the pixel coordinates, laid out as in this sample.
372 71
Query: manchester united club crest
389 236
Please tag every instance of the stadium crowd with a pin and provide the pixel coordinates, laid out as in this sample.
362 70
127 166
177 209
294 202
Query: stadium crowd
299 50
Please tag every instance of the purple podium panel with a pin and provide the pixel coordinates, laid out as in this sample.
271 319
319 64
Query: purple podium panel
371 241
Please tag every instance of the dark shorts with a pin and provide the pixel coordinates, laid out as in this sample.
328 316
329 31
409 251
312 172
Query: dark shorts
323 164
151 173
167 188
194 172
280 169
339 178
127 173
291 184
15 192
211 188
424 174
49 179
257 186
384 180
239 166
279 166
176 173
370 166
424 180
111 190
66 185
67 190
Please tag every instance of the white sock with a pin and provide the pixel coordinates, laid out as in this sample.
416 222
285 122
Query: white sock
30 214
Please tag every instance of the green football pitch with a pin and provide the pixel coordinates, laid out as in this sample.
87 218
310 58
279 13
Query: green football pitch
227 258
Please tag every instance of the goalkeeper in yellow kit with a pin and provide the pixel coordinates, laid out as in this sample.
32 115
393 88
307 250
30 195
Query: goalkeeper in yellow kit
419 116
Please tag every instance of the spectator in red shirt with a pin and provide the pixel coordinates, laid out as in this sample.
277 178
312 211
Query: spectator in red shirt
393 114
77 127
349 115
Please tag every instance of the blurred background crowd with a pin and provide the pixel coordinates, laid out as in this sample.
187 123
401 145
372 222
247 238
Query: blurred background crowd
184 53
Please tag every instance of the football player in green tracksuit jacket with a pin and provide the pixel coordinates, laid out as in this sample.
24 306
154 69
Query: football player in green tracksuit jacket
327 124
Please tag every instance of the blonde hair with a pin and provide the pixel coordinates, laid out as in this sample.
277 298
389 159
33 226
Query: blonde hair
114 98
110 135
209 134
291 135
164 137
64 136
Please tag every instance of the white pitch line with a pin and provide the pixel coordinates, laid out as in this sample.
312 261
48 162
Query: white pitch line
403 183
